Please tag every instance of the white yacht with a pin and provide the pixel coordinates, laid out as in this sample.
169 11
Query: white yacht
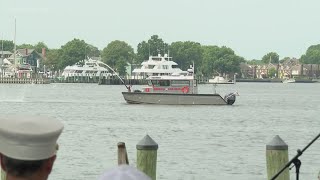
88 67
156 66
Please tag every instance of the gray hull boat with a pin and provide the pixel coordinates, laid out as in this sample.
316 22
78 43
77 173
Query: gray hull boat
175 89
178 99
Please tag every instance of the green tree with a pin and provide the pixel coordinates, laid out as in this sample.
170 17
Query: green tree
153 47
121 66
272 72
38 47
210 55
117 51
25 46
72 52
255 62
186 53
312 55
228 63
271 57
220 60
91 51
53 59
7 45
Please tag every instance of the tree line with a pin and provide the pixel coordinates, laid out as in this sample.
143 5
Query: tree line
209 59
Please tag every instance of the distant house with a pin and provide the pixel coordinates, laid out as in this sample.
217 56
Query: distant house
311 70
247 70
288 68
262 71
5 54
27 62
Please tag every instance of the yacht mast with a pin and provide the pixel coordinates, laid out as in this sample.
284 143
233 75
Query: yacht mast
2 50
15 47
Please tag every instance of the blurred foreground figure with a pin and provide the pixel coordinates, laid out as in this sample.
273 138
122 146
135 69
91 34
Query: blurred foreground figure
28 146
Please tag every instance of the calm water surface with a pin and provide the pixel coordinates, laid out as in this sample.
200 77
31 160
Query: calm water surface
195 142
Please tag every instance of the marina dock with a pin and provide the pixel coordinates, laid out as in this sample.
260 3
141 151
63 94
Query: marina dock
24 81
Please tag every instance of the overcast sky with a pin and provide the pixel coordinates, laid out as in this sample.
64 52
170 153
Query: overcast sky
250 27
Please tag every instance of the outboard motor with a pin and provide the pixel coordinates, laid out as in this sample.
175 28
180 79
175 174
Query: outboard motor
230 98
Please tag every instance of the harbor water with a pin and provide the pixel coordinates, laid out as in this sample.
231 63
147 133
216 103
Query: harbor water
195 142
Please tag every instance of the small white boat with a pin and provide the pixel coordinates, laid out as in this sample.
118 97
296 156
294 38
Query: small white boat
291 80
220 80
175 89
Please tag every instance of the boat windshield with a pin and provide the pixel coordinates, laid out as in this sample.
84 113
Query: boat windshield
160 82
180 83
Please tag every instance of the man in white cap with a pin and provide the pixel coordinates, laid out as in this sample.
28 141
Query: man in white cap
28 146
124 172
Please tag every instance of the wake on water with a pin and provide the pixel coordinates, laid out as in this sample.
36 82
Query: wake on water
19 93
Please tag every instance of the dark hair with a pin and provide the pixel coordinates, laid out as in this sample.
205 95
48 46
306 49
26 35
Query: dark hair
21 168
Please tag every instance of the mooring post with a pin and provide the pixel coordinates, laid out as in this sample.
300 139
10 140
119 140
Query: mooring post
2 174
147 156
122 154
277 157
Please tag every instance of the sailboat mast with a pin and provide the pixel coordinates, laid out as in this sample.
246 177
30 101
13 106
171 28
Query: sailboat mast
15 47
2 50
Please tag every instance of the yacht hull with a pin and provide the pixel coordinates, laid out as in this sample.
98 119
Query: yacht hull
174 99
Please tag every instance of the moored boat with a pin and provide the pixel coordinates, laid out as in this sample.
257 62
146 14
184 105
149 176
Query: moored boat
291 80
87 68
175 89
156 66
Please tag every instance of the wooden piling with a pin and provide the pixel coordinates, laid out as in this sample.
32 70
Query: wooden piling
277 157
2 174
122 154
147 156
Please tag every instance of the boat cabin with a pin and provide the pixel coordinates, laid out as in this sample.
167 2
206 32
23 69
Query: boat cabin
178 84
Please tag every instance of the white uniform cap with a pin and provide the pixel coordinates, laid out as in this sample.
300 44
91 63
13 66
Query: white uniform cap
124 172
29 137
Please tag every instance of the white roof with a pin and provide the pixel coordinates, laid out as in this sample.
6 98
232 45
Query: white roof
87 65
6 61
160 64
